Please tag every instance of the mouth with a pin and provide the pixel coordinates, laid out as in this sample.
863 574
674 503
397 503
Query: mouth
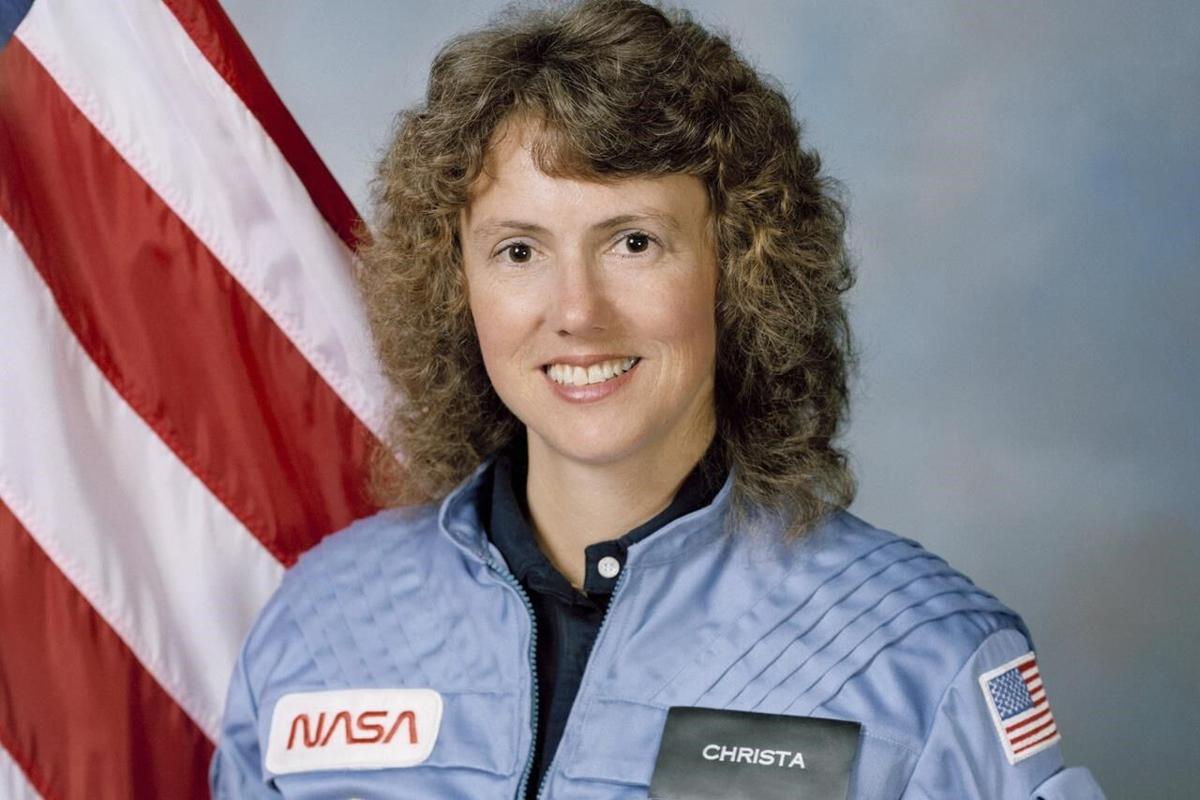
599 372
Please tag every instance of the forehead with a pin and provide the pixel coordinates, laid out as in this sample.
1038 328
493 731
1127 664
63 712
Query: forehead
512 180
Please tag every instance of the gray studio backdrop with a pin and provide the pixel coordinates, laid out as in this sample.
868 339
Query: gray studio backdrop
1024 181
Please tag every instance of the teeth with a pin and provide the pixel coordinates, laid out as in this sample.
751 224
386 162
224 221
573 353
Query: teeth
567 375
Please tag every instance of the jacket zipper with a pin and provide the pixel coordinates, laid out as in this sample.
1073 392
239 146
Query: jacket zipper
583 679
533 694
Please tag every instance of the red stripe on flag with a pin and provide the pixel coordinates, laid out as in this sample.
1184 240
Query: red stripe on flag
1028 720
78 711
1017 739
186 346
1050 734
213 33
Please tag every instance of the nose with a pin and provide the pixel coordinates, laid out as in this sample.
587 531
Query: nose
579 304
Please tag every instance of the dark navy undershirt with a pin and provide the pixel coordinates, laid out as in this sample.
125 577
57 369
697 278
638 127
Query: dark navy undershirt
568 620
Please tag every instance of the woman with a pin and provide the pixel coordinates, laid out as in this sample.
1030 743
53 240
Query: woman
606 279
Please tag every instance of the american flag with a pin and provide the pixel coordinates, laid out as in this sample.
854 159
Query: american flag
1019 708
187 391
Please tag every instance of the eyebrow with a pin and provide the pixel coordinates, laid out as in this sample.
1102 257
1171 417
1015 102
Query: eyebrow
488 229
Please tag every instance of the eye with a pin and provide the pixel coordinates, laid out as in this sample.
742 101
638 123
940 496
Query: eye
634 243
516 253
637 242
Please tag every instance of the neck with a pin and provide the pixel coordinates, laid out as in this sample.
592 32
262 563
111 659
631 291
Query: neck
573 504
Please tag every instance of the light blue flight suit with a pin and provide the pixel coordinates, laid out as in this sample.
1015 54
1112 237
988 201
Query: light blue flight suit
850 622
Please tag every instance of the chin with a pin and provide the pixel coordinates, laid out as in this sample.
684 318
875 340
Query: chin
590 445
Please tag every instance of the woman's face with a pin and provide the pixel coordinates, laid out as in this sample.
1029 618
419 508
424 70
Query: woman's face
594 306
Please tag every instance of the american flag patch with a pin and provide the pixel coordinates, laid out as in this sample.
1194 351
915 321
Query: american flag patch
1020 710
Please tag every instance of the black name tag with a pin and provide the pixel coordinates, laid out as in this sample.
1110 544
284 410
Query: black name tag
708 754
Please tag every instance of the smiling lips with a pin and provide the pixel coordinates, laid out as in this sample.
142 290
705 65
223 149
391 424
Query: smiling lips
584 382
575 375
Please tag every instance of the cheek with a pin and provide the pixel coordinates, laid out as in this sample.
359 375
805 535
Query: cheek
500 321
489 333
690 321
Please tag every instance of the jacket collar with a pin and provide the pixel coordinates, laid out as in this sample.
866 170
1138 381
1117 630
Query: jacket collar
459 519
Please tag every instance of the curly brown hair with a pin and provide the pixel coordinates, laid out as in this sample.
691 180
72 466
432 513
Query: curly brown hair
619 89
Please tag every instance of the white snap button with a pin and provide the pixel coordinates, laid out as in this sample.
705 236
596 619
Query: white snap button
609 567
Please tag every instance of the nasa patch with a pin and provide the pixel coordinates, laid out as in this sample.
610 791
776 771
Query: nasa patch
353 729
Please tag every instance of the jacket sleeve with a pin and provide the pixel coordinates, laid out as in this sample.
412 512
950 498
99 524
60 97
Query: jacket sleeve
965 753
236 770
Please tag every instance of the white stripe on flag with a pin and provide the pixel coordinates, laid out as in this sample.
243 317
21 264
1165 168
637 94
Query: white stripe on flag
155 553
144 85
13 783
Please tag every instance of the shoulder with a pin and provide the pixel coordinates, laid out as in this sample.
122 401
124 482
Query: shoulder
893 585
914 587
917 619
341 574
391 530
849 620
942 674
884 624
